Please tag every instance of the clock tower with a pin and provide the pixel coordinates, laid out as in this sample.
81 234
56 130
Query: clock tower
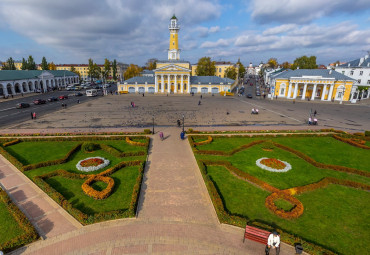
173 50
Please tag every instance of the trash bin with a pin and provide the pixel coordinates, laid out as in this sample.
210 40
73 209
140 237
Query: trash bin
298 248
182 135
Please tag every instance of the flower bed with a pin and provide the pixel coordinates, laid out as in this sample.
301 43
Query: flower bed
92 164
273 165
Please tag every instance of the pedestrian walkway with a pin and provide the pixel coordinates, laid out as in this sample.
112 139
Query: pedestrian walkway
47 216
175 215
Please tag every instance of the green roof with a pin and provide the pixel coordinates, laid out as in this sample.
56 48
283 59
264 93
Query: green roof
174 17
9 75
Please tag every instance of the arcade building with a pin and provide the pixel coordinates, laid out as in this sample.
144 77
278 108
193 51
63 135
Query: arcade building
173 76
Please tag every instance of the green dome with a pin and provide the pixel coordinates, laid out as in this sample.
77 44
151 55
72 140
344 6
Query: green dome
174 17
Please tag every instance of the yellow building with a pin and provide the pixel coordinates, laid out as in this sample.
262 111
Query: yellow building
311 84
83 69
221 67
175 75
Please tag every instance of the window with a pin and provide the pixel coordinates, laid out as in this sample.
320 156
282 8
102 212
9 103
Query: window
173 36
173 43
165 86
282 91
178 86
342 72
368 81
359 80
159 86
219 70
351 73
361 72
185 86
173 23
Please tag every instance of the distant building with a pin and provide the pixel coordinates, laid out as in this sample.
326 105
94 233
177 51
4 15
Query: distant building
14 82
359 70
175 75
312 84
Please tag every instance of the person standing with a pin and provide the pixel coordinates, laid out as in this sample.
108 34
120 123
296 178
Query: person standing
32 115
273 242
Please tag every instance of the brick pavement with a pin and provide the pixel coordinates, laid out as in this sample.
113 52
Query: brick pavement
175 215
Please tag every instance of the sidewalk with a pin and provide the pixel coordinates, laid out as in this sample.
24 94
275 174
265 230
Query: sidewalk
175 215
47 216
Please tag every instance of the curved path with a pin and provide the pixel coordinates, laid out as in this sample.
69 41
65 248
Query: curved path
175 215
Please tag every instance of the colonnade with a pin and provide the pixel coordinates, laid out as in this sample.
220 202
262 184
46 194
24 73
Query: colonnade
293 87
184 83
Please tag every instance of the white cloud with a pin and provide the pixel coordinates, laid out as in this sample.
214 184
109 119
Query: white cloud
105 28
279 29
302 11
218 43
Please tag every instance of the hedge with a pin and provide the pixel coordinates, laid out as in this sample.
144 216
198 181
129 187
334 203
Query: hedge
191 131
11 142
351 142
29 233
99 195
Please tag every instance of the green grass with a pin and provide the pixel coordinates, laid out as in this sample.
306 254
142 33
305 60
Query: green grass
335 217
9 227
34 152
283 204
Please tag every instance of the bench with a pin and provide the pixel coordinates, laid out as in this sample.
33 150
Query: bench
256 234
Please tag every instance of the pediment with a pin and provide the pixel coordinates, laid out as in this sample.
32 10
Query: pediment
45 74
172 68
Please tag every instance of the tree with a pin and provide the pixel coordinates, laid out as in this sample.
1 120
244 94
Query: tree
93 70
31 65
52 66
206 67
106 69
286 65
305 62
73 69
241 68
24 64
44 64
151 64
272 62
231 72
114 69
132 71
9 64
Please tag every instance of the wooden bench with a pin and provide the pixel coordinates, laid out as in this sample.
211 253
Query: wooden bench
256 234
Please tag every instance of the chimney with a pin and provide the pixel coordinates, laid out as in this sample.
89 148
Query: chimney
366 56
330 71
349 64
336 64
361 61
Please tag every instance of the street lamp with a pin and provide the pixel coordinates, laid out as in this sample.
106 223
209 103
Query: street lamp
183 119
153 124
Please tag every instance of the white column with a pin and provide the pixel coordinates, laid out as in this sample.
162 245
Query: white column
169 84
289 90
323 93
175 83
331 92
13 89
313 92
155 84
295 90
304 91
162 86
5 90
182 84
188 79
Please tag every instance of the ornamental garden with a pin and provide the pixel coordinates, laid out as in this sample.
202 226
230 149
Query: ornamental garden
312 188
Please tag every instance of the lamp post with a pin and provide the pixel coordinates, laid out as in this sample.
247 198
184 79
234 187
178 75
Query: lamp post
153 124
183 119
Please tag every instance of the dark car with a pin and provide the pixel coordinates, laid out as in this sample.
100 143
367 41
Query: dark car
62 97
78 94
39 101
249 96
52 99
22 105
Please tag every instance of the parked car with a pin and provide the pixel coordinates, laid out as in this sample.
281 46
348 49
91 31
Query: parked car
249 96
39 101
52 99
258 94
22 105
62 97
78 94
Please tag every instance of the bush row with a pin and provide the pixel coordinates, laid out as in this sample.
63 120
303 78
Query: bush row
99 195
74 134
97 217
321 165
15 162
208 141
241 220
367 133
232 152
29 233
53 162
351 142
129 141
11 142
119 154
191 131
294 213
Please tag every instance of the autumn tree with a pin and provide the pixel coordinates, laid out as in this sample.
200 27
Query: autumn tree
107 67
44 64
286 65
206 67
24 64
114 69
151 64
9 64
231 72
272 62
93 70
305 62
52 66
132 71
31 65
241 68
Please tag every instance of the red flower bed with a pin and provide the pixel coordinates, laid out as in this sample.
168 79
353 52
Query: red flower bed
273 163
92 162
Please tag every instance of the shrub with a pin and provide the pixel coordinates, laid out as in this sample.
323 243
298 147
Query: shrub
367 133
354 142
147 131
12 142
90 191
89 147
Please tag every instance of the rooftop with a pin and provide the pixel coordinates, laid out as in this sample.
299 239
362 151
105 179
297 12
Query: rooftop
324 73
361 62
10 75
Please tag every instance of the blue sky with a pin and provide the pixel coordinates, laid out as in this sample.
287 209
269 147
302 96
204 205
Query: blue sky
133 31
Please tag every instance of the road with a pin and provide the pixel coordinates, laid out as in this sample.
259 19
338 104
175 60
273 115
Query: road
9 115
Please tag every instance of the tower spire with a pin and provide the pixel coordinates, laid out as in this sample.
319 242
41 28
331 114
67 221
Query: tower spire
173 50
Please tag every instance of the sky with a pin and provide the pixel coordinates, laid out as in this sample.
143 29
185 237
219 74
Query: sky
133 31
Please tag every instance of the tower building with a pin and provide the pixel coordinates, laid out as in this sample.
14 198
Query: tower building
173 50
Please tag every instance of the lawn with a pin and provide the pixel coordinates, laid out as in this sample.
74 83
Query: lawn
9 227
126 177
334 216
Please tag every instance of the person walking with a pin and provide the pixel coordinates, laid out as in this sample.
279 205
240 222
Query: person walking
273 242
34 115
161 135
314 113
